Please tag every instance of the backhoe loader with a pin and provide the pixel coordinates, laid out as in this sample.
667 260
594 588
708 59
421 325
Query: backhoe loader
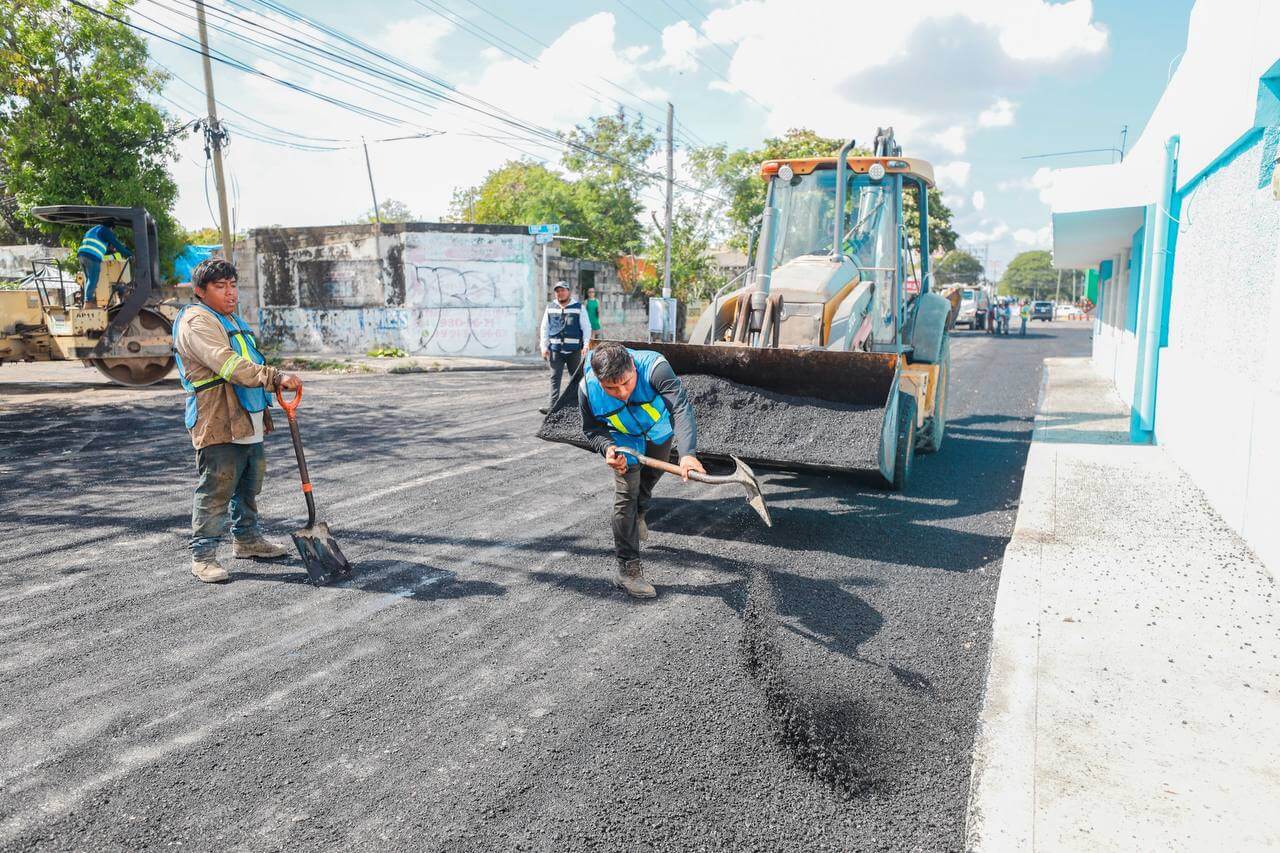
825 325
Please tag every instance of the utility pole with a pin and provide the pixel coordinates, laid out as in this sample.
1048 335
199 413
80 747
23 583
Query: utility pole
668 333
377 214
1057 291
671 162
213 134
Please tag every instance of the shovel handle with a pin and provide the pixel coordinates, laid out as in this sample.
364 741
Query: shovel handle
289 406
650 462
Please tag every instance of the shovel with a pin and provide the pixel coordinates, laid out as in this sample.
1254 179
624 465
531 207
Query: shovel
320 553
742 474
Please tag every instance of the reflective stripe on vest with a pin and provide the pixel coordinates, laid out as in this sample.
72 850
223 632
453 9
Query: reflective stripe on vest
564 327
92 246
240 337
643 417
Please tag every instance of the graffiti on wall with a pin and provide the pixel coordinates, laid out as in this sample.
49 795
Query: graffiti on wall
454 294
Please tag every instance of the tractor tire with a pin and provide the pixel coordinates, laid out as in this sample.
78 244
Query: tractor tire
905 452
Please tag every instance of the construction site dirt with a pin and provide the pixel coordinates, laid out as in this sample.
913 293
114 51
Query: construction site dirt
762 426
479 684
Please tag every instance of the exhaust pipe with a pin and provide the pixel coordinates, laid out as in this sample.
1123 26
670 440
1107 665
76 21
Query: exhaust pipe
842 166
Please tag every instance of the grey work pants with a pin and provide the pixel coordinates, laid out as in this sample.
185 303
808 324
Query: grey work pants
631 492
559 361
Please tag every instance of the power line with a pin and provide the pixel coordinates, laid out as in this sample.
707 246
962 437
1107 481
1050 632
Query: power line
245 67
692 55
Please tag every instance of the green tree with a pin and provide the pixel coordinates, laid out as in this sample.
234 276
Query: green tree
958 266
520 192
1030 275
75 124
390 210
693 274
608 155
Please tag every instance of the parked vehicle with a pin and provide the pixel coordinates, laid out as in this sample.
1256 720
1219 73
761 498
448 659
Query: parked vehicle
1042 310
975 307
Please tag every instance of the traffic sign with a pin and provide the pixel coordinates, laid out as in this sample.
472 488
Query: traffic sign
547 228
542 239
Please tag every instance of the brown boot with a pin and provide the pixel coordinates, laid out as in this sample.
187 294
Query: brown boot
631 580
208 571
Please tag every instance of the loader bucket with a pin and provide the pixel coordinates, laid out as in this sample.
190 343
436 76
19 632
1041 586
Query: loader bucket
776 408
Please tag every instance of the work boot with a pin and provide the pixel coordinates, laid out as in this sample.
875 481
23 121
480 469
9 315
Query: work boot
208 570
631 580
258 548
643 529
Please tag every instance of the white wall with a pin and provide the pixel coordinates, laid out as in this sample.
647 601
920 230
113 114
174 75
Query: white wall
1218 396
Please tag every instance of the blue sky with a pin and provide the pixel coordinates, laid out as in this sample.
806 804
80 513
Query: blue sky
974 87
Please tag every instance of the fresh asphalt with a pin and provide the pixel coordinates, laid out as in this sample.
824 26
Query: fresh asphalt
479 685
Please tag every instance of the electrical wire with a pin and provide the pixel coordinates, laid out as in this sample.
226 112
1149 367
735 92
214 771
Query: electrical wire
503 117
692 55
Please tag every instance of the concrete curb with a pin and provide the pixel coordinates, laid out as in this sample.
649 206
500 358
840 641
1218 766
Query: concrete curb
409 365
1001 809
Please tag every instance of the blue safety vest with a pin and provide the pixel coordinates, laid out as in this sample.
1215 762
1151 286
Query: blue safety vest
100 241
644 417
243 347
564 327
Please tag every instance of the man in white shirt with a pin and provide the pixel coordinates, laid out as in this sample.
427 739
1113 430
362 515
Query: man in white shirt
565 333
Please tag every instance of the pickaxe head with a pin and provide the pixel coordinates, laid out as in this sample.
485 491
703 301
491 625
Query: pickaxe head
743 474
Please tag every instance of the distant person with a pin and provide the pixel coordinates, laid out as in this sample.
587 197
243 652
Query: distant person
227 383
1024 314
98 242
593 311
566 331
1006 316
632 401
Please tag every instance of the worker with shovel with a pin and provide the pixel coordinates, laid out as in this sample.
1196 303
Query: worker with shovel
227 383
633 405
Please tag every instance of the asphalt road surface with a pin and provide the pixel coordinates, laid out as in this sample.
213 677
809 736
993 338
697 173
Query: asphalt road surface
479 684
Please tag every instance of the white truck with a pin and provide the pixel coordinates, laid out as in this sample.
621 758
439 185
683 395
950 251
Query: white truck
975 307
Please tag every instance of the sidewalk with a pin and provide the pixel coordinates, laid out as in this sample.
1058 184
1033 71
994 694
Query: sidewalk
408 364
1133 700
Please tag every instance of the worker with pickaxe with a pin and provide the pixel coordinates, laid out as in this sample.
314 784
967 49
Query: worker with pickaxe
633 406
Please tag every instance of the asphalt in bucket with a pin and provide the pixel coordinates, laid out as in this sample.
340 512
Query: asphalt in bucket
759 426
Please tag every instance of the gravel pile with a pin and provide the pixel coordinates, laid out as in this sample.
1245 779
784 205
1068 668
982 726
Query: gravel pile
755 424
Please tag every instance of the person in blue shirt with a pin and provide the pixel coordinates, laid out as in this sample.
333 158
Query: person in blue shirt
99 241
631 401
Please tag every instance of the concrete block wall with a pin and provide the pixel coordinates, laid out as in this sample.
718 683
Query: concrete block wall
427 288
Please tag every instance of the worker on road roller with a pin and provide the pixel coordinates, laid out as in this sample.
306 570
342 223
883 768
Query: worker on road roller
632 402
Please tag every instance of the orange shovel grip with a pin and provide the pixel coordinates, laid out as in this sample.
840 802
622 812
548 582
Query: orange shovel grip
289 406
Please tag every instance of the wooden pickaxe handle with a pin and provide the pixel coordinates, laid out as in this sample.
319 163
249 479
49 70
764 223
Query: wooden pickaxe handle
650 462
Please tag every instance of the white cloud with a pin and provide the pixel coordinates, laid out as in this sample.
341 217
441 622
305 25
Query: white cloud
1041 237
979 237
956 202
679 42
999 114
1041 181
979 200
954 175
278 185
934 69
951 140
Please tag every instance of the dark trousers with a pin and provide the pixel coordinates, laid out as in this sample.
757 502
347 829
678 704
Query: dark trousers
559 361
631 492
92 269
230 479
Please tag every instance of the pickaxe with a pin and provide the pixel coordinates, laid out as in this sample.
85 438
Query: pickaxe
742 474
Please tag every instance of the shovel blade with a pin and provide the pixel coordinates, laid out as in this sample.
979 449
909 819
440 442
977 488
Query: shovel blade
321 556
755 497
